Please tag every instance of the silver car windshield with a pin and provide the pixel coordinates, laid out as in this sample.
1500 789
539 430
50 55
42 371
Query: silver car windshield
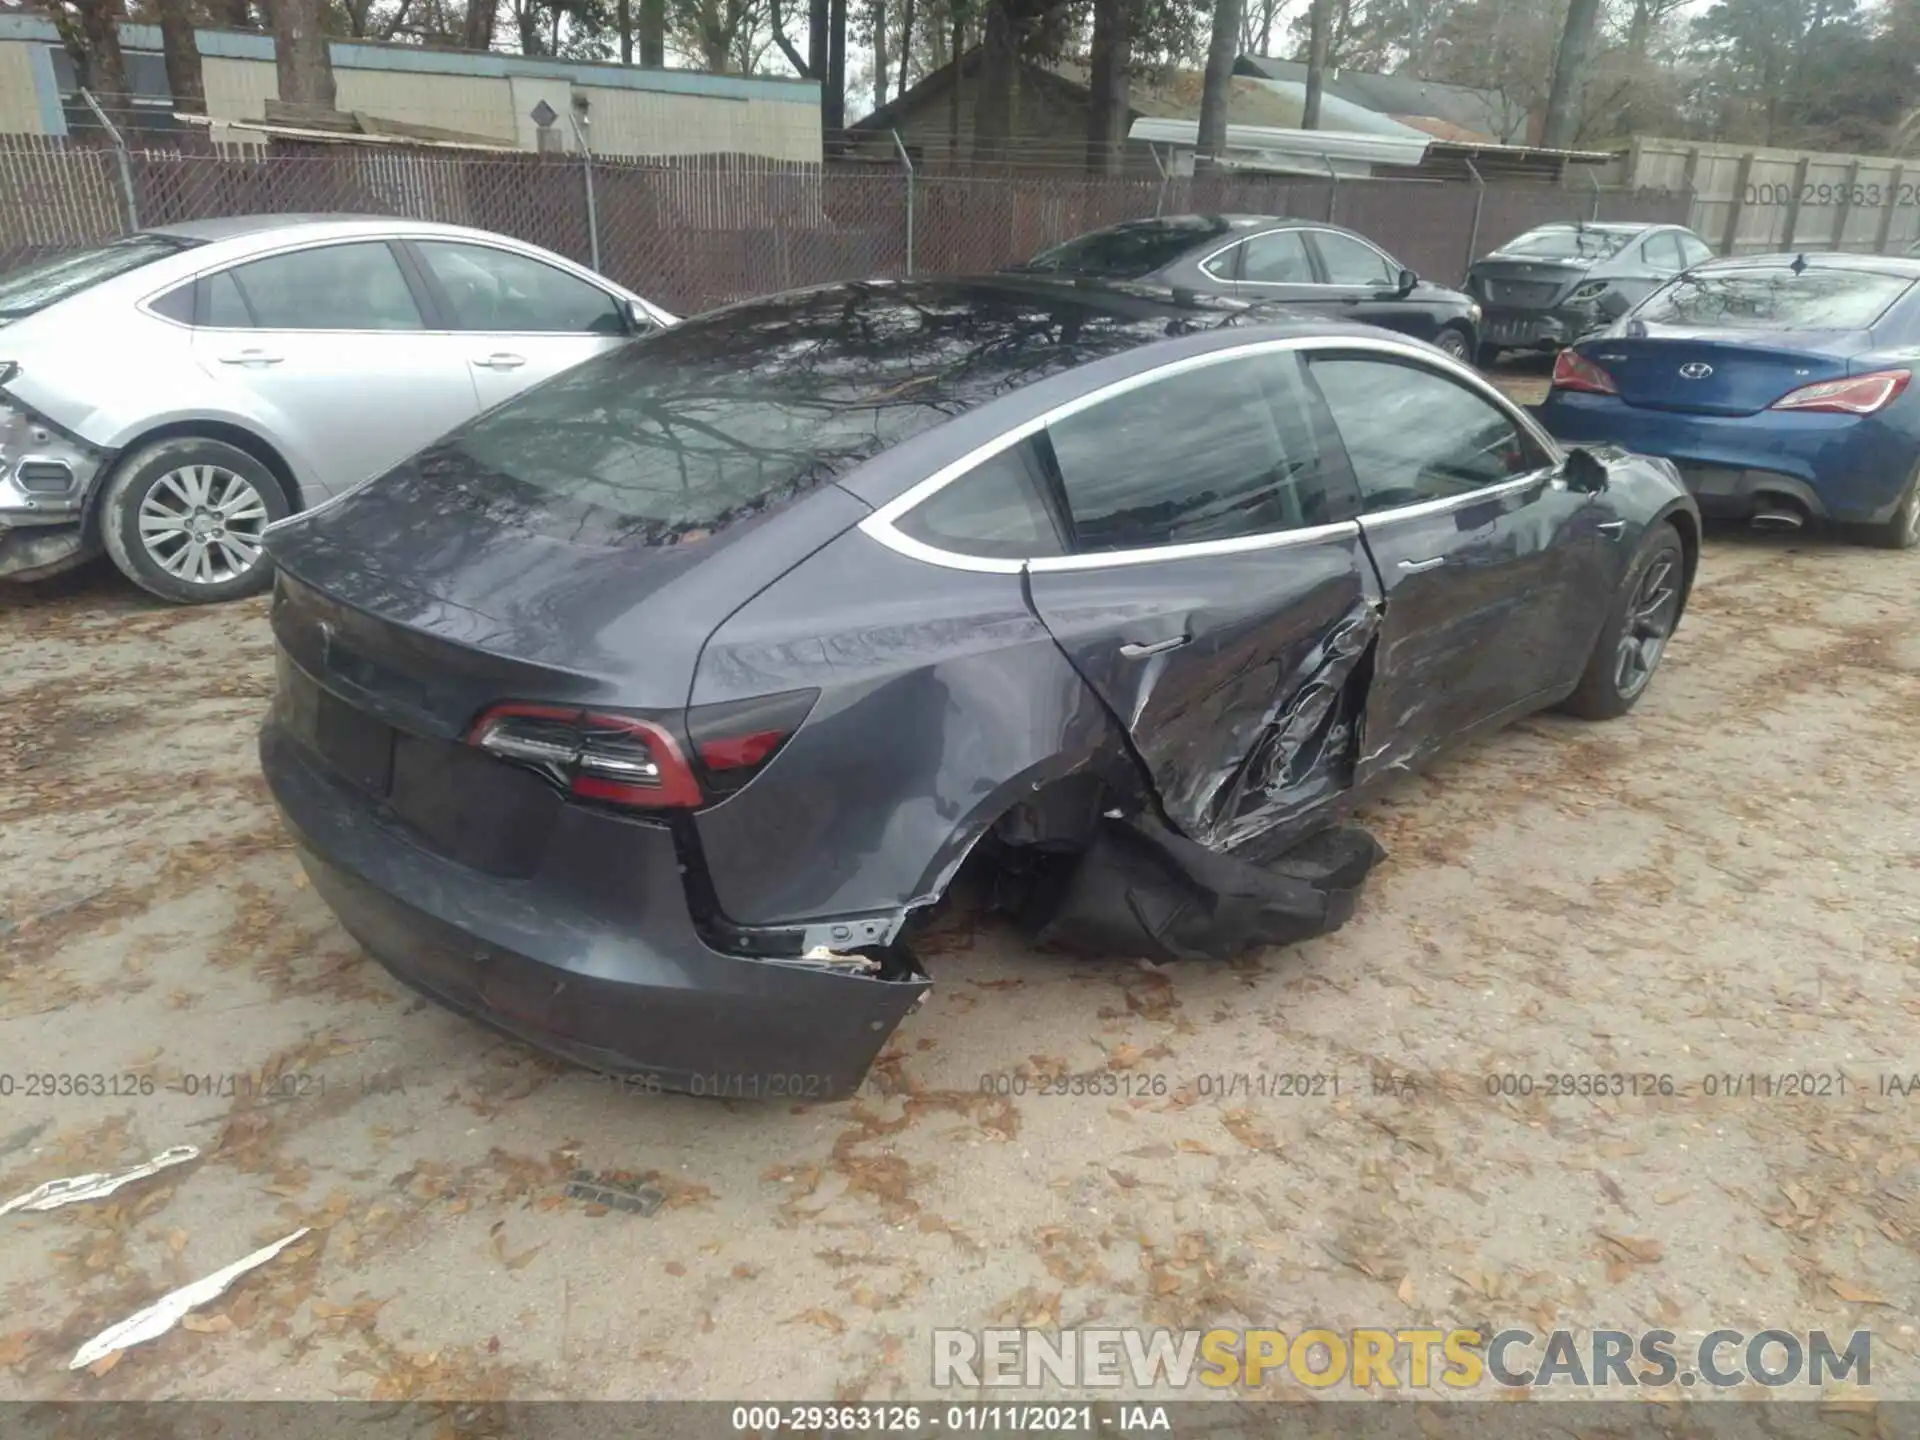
25 291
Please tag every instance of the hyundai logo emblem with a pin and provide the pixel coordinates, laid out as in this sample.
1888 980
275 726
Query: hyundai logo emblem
1695 370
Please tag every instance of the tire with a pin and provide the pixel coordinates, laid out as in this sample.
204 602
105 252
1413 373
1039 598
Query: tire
1902 532
183 519
1645 610
1454 341
1486 356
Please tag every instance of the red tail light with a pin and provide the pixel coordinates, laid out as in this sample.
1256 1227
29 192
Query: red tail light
735 740
619 759
1855 395
1573 371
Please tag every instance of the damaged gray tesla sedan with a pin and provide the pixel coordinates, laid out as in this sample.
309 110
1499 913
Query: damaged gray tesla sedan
641 716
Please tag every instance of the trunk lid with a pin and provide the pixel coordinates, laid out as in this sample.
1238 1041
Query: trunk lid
1525 284
424 601
1718 373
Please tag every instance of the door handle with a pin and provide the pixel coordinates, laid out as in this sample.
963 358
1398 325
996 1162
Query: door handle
501 360
250 357
1415 567
1612 529
1131 651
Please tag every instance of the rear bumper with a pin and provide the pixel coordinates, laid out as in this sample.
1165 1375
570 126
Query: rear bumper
36 552
627 988
1838 467
1533 329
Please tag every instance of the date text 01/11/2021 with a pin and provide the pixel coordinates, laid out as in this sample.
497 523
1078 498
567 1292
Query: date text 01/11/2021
882 1418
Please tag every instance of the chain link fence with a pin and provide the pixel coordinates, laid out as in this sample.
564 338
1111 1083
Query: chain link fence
691 233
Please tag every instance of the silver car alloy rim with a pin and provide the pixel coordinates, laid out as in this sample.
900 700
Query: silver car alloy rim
1912 514
1650 620
203 524
1452 343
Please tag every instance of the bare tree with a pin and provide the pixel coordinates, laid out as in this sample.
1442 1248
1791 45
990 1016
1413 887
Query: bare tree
833 100
182 55
906 42
302 62
653 33
89 29
236 13
1569 74
993 103
1217 86
877 35
1319 36
1111 54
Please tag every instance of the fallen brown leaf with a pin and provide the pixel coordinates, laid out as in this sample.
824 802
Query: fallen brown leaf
1854 1294
825 1319
207 1324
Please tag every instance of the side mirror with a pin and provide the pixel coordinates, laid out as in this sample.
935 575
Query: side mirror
1585 472
1407 281
639 321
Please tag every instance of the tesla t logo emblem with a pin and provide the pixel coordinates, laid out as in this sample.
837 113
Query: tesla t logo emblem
1695 370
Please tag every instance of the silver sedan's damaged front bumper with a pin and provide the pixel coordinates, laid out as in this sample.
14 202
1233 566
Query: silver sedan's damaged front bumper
46 477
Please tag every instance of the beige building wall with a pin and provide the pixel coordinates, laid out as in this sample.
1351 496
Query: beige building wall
474 104
19 103
653 122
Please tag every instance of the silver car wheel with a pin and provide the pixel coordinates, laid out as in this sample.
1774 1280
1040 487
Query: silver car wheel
1452 342
203 524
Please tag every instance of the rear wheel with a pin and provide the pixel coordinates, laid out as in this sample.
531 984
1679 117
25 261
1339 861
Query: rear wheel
1635 636
186 519
1902 532
1453 341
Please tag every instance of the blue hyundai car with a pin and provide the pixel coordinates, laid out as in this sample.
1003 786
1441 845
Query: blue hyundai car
1779 385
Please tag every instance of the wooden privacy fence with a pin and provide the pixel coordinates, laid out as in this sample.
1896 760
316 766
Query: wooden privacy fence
694 232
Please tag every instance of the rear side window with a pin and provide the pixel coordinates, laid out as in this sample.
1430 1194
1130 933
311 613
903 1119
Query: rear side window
994 510
1278 258
1131 251
1662 252
1212 453
1774 298
331 287
1694 249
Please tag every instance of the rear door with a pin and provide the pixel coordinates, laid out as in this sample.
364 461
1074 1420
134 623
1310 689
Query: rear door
1219 600
1276 267
521 319
1488 561
332 343
1364 284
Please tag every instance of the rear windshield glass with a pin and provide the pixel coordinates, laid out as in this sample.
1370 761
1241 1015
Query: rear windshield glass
1568 244
670 439
24 291
1774 299
1129 252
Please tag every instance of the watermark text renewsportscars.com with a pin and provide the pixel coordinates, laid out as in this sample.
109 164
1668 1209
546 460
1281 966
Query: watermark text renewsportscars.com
1391 1359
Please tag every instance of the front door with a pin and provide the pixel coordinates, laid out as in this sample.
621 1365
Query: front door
522 319
1364 285
331 342
1219 600
1485 556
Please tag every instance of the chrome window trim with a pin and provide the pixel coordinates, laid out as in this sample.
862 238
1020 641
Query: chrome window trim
1453 502
1216 254
295 248
1248 240
880 524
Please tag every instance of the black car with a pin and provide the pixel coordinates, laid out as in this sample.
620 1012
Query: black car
1318 269
1550 286
640 716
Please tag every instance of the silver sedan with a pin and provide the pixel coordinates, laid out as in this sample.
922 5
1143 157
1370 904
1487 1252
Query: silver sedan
168 396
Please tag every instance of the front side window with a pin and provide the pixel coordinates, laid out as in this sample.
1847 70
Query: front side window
1212 453
1352 262
994 510
331 287
489 289
1415 436
1278 258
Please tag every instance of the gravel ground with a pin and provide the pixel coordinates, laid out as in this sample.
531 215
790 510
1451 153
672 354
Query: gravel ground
1722 883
